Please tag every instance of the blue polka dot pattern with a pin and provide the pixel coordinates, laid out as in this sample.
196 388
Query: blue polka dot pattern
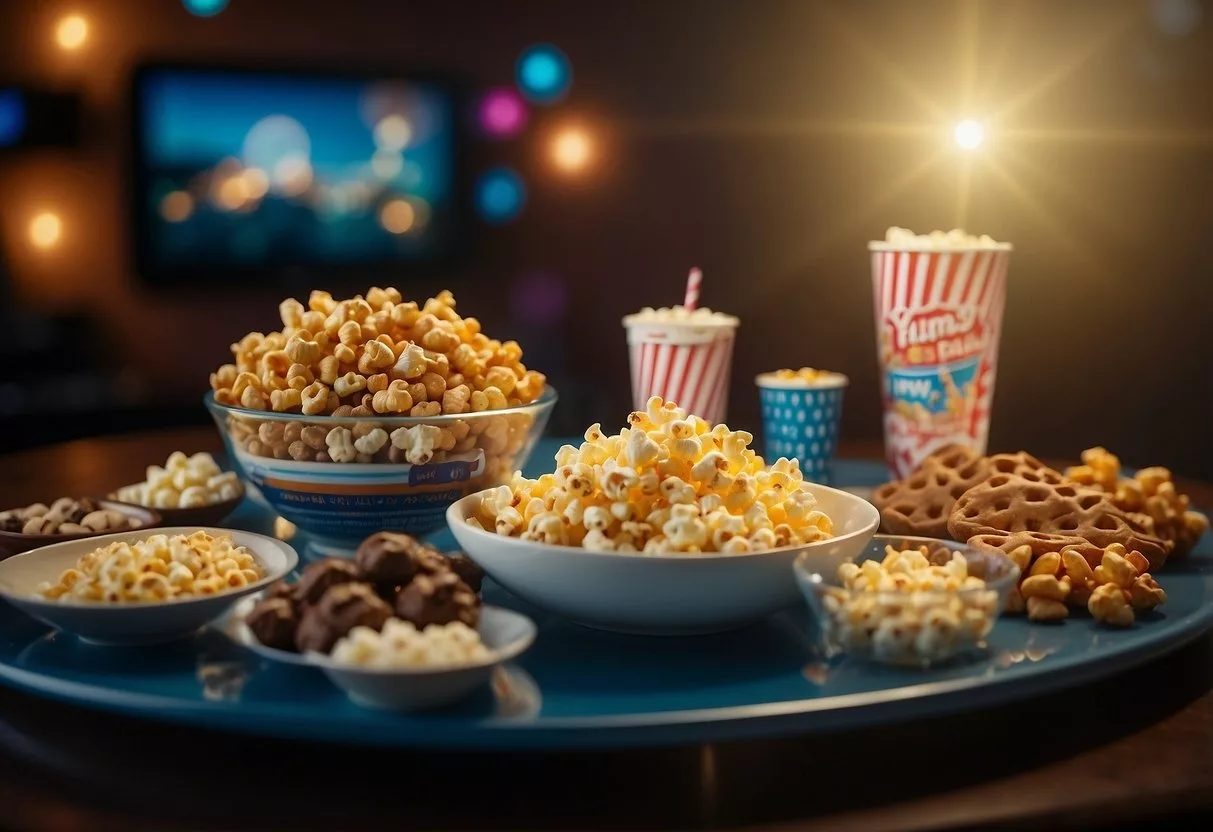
802 424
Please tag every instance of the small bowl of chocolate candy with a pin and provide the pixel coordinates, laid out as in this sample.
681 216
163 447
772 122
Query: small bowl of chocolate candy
37 525
400 627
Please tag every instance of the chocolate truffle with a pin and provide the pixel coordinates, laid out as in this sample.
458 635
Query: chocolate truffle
344 607
320 577
466 569
438 599
280 589
273 622
390 559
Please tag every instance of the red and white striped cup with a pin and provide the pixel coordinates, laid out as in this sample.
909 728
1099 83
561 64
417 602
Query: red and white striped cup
938 321
685 361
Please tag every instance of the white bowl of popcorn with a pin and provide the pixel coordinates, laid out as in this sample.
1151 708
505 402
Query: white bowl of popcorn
403 668
671 527
137 587
908 601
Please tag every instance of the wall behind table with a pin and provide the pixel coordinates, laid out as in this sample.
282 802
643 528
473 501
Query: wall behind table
764 142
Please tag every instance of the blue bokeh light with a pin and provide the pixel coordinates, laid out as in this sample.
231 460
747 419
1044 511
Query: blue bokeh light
204 8
544 74
12 117
500 195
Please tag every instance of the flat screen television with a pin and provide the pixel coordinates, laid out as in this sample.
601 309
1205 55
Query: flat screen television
241 173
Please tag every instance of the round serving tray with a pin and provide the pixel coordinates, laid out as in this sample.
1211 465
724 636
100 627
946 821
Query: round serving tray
581 688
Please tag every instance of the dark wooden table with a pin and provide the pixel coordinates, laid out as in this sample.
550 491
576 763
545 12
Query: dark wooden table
1127 751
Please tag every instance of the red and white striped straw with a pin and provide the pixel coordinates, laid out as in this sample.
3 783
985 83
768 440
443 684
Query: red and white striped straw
694 279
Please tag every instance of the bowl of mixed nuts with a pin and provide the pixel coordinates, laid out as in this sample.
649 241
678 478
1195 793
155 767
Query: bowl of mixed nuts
39 524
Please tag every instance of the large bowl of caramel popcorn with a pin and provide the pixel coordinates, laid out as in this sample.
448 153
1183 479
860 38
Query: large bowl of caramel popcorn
375 412
672 526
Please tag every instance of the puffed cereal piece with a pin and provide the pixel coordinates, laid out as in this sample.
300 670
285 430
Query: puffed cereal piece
1108 605
1146 594
1041 608
340 444
418 442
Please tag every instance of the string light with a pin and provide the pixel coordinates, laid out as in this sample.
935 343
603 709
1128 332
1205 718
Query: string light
571 149
386 164
500 195
502 113
397 216
392 133
204 8
71 32
45 230
969 134
543 73
177 206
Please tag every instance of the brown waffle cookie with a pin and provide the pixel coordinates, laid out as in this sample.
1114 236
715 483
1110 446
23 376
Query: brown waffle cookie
920 504
1012 503
1023 464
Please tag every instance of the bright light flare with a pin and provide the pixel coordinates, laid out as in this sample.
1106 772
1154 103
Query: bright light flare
71 32
45 230
969 134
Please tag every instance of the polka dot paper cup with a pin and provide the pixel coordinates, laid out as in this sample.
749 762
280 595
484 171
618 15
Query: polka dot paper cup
800 419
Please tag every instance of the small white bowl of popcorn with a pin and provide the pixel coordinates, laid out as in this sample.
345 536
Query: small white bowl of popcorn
186 490
401 667
139 587
671 527
908 601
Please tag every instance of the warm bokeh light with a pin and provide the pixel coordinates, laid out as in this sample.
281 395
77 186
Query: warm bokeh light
232 193
571 149
256 182
292 176
386 164
177 206
969 134
45 230
72 32
392 133
397 216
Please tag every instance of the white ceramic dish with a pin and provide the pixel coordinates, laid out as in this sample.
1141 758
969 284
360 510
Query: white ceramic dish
505 633
663 594
131 624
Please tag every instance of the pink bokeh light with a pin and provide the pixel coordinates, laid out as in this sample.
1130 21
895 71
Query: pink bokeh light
503 113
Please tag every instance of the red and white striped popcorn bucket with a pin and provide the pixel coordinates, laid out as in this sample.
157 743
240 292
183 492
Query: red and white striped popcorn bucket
684 362
938 321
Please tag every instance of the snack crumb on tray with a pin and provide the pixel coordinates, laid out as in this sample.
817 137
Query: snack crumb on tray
670 483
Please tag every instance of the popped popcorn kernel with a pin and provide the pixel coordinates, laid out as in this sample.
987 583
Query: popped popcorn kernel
669 483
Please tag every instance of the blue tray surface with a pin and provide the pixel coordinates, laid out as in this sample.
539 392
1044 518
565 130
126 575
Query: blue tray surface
581 688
